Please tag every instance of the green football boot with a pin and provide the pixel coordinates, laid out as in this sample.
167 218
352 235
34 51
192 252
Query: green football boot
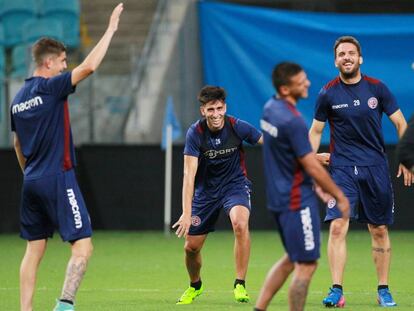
63 306
240 294
189 295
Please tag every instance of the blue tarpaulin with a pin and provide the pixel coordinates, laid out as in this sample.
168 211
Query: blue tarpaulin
241 45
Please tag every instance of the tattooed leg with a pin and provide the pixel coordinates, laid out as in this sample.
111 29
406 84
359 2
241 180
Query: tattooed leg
298 289
81 252
381 252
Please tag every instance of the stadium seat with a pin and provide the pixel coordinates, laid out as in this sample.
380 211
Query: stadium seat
14 13
34 29
20 61
68 12
1 34
2 64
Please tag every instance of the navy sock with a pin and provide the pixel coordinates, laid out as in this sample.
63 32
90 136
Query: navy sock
382 287
256 309
241 282
66 301
337 286
196 285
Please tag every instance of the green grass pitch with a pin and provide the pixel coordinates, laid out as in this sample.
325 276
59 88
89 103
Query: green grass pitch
145 271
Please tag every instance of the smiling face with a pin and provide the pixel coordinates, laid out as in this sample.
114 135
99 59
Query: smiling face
214 112
348 60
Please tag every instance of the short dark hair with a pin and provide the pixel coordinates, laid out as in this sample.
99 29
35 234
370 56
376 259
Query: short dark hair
283 73
46 46
209 93
347 39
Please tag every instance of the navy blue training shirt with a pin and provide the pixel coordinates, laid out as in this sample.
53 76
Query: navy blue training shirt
286 139
40 118
221 163
354 113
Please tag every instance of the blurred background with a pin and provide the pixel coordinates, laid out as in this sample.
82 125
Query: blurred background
162 54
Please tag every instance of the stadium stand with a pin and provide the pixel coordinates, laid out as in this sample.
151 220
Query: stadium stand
13 15
68 13
131 33
20 61
35 28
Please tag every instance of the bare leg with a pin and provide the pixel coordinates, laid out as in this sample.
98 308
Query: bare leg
81 252
298 289
28 270
192 247
337 249
239 216
275 278
381 251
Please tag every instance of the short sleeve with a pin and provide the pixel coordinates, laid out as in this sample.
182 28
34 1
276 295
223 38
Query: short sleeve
389 103
299 137
192 142
60 85
321 106
246 131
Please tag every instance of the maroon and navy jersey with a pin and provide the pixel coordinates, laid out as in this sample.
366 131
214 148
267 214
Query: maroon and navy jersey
288 186
220 154
40 118
354 113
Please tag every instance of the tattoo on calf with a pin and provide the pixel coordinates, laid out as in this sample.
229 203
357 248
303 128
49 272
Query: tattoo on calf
298 293
381 250
74 276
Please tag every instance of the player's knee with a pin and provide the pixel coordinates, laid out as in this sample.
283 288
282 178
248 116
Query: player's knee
337 230
240 227
305 269
191 249
84 249
379 232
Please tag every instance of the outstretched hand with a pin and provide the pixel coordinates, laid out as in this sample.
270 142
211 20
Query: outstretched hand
323 158
183 226
407 174
114 19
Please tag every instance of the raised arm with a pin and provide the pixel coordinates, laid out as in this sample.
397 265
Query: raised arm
20 157
397 118
190 169
94 58
322 178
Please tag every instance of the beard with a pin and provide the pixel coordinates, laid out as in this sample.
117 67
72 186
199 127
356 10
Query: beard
350 74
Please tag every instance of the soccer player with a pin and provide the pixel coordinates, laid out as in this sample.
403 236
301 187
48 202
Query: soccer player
405 148
290 164
354 104
214 180
43 143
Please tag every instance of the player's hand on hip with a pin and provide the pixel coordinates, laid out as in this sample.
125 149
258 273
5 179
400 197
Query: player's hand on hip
343 205
183 226
323 158
407 175
114 19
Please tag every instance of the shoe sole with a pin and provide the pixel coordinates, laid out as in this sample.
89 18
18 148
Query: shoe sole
340 304
385 306
243 300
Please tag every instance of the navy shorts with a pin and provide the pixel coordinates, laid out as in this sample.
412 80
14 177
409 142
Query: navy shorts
204 213
300 232
54 203
369 191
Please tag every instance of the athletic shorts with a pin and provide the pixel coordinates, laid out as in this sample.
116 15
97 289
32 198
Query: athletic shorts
300 232
54 202
205 213
369 191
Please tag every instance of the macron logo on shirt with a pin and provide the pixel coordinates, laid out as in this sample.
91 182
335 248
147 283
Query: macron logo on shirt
27 105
